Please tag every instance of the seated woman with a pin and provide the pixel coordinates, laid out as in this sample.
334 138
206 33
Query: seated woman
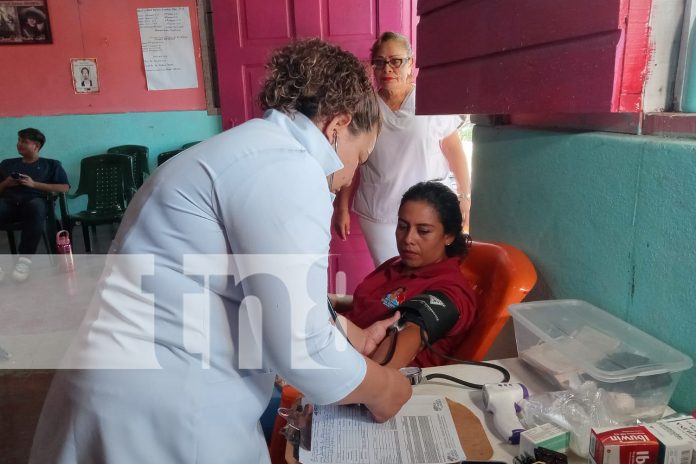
424 282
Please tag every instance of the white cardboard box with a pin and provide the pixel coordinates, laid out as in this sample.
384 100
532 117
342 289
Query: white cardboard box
675 446
548 436
685 426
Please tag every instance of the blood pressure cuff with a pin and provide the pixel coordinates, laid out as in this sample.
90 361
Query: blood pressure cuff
433 311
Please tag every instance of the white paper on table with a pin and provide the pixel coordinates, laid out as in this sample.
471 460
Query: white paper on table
167 45
422 432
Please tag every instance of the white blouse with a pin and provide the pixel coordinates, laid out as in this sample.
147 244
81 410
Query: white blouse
407 152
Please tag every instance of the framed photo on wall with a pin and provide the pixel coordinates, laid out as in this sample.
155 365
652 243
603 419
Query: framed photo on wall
84 73
24 22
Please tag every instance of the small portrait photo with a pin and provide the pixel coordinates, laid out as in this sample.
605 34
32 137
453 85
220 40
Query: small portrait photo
84 72
34 25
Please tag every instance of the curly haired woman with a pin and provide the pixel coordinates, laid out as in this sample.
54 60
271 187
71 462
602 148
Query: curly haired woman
190 381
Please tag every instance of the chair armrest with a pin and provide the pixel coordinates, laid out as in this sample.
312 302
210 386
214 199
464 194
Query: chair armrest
129 192
64 212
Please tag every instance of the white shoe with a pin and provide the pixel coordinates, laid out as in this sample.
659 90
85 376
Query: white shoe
21 270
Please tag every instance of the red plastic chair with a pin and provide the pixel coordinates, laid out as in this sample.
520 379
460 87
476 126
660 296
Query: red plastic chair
500 275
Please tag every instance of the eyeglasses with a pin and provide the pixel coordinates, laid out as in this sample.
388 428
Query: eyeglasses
394 63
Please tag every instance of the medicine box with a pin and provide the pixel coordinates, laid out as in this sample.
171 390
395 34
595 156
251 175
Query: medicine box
548 436
573 342
624 445
675 447
686 427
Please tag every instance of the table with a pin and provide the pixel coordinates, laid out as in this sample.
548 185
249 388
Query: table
472 399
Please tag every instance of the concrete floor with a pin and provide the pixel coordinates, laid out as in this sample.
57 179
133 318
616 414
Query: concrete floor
22 392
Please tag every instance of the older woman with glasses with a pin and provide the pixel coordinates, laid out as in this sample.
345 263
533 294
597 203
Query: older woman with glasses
410 149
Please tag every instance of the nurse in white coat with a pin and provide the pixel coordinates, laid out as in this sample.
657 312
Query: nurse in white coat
409 149
216 282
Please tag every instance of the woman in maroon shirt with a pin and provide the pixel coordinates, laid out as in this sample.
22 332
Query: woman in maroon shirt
431 246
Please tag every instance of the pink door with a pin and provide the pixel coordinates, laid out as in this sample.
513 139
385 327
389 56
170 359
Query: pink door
245 33
247 30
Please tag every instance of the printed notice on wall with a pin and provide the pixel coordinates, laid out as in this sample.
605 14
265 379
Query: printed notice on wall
167 43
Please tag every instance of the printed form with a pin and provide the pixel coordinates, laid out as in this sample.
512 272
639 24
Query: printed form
422 432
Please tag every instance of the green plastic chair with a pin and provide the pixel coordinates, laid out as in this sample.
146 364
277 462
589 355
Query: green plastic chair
165 155
139 153
189 145
107 180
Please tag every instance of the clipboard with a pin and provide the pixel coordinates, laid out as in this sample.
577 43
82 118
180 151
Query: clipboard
472 435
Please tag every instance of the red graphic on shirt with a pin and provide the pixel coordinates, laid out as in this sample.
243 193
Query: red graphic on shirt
394 298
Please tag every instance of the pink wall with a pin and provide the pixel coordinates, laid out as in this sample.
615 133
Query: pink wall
37 80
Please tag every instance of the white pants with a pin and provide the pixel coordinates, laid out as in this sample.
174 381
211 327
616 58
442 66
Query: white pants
380 238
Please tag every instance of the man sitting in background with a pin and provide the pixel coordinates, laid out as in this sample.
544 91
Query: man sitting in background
24 183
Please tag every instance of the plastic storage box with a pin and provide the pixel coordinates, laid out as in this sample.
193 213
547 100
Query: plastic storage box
572 342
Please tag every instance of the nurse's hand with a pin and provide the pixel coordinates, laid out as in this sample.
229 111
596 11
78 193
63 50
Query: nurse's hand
375 333
383 390
365 341
342 223
393 391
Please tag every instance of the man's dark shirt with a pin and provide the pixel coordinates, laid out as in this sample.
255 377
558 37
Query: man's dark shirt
44 170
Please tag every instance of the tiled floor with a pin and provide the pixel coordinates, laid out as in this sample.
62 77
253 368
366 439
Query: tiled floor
22 392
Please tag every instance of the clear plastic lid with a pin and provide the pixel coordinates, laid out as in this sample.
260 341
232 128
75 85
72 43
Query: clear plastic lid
604 346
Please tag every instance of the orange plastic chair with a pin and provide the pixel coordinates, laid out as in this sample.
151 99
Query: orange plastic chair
276 448
500 275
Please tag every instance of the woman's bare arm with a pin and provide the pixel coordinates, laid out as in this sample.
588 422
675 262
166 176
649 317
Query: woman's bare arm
453 150
408 345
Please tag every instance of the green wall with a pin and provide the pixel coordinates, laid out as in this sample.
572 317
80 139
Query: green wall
70 138
606 218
